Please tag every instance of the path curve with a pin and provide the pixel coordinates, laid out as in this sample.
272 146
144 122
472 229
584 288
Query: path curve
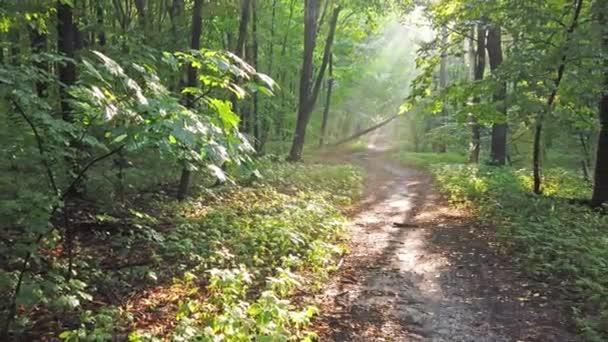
419 270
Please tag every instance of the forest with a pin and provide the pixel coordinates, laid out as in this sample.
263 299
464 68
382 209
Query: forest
303 170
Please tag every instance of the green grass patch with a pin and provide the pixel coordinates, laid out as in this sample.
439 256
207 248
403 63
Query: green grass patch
426 160
233 256
552 239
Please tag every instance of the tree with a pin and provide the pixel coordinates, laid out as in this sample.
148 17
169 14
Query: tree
308 92
195 44
498 152
600 186
478 61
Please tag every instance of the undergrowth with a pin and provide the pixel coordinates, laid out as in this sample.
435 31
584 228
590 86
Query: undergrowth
551 237
223 266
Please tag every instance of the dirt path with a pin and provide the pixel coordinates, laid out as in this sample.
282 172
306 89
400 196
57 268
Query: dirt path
421 271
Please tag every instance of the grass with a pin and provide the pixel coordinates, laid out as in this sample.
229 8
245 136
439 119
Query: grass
225 263
426 160
550 237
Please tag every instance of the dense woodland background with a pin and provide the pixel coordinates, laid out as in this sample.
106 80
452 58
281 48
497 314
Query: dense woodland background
112 109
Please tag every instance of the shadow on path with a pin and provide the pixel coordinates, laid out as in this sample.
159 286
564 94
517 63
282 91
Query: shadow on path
421 271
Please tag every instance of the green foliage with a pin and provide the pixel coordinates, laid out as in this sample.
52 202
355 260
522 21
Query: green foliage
553 239
426 160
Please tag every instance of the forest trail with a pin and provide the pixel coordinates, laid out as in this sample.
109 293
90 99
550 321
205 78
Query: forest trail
419 270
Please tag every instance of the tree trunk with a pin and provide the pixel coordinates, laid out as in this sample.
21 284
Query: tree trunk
536 158
38 41
311 14
308 97
65 46
600 185
101 33
14 53
239 51
330 84
478 62
280 125
192 75
256 121
498 151
443 83
140 5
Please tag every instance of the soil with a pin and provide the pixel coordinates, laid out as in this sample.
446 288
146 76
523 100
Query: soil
420 270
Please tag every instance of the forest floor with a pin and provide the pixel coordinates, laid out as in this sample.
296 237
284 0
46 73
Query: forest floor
420 270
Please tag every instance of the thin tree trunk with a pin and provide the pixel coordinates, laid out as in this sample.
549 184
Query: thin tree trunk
256 121
101 33
479 66
600 185
280 126
305 102
65 46
239 51
536 163
192 74
443 83
14 53
498 151
38 40
330 84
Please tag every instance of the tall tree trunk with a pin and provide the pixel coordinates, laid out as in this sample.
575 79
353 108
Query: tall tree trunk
443 83
239 50
192 74
536 153
140 5
330 84
280 126
14 53
479 67
600 185
311 14
38 40
498 151
308 97
101 33
256 121
65 46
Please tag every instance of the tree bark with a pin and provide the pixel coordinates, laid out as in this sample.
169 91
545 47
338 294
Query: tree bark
65 46
311 14
479 67
280 126
308 98
443 83
256 121
38 40
498 151
600 185
101 33
536 158
330 84
192 75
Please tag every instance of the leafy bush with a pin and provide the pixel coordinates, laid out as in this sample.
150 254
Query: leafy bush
553 238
